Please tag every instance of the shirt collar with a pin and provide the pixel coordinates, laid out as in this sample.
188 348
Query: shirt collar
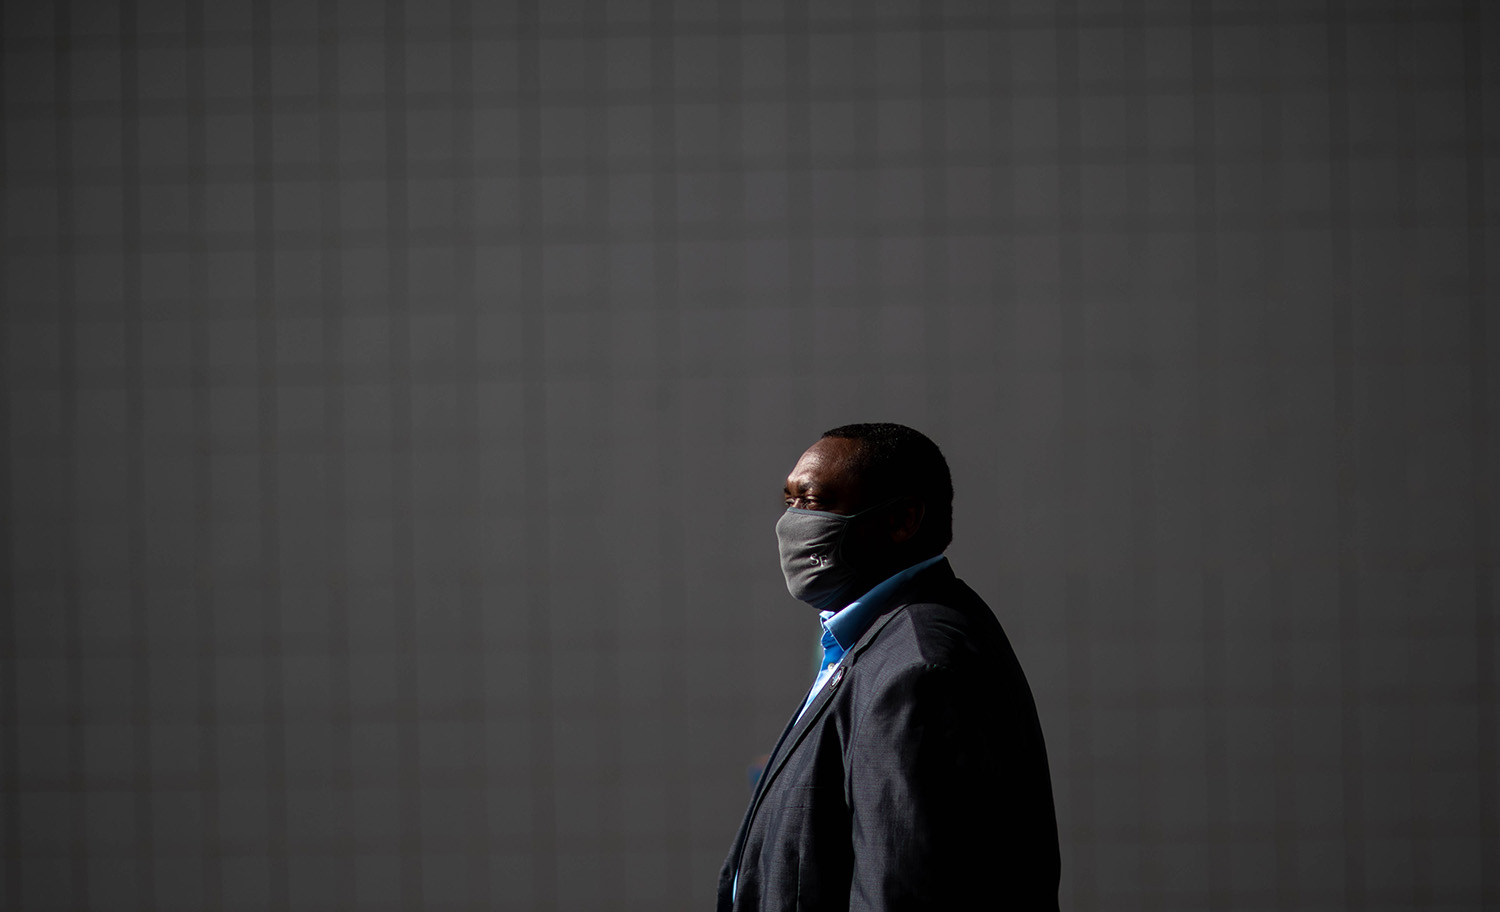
847 625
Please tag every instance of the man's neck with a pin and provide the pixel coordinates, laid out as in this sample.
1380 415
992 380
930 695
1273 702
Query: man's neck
898 562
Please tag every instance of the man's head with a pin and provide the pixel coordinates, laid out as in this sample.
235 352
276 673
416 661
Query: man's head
895 461
893 484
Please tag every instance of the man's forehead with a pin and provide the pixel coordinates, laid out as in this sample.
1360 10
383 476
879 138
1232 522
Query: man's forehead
829 459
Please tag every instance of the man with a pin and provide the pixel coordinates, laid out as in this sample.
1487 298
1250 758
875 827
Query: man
913 776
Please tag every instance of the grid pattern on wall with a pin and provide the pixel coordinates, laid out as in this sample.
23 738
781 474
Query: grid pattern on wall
396 396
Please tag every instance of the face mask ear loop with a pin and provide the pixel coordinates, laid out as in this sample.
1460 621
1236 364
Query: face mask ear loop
838 549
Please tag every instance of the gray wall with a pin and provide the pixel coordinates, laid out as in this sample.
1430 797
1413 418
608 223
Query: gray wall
398 397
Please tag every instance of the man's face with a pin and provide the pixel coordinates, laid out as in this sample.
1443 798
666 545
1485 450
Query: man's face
824 478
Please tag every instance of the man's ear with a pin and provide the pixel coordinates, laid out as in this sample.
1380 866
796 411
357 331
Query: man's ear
906 519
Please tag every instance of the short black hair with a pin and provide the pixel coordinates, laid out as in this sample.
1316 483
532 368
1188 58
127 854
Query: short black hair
897 460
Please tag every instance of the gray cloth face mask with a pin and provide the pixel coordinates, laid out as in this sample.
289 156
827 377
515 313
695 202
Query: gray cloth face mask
813 561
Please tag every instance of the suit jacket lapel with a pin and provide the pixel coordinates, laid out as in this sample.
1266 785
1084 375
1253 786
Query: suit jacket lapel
799 727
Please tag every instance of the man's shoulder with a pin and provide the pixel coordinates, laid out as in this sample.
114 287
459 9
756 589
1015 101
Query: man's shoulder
941 623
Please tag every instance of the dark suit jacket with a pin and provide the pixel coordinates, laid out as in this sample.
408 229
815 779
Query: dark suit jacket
917 779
